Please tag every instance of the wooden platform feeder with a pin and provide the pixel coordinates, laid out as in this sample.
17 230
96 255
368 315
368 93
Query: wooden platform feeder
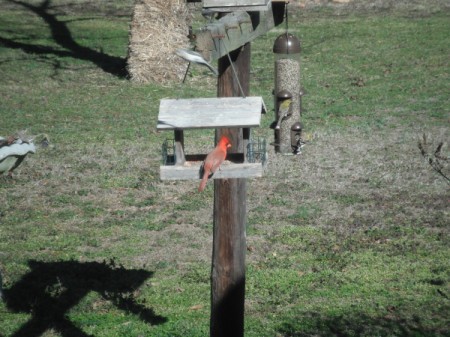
211 113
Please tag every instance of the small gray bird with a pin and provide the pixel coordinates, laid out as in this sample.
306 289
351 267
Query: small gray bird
194 57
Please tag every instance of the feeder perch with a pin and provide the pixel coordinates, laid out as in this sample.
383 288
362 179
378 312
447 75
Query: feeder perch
210 113
296 137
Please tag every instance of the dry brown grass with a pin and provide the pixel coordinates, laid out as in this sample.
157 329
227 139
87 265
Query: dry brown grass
349 183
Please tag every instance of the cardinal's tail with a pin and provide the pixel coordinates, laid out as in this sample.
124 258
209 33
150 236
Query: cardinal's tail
203 182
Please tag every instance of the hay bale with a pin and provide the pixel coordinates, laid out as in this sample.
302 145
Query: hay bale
158 28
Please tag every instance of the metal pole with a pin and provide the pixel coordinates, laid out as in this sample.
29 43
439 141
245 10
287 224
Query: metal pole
229 243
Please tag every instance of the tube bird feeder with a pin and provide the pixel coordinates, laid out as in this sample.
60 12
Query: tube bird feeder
286 51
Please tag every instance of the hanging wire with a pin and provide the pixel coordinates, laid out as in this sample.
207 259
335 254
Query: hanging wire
286 17
232 67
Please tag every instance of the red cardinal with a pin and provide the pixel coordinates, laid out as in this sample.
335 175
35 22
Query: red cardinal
214 159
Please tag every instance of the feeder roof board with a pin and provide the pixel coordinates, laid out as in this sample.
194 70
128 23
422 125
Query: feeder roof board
209 113
242 5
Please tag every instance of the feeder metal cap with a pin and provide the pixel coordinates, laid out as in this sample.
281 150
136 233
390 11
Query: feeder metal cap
296 126
286 44
284 94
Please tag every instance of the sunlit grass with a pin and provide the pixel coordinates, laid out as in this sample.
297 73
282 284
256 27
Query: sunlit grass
350 238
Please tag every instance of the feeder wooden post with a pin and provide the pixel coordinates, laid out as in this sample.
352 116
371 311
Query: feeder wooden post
229 242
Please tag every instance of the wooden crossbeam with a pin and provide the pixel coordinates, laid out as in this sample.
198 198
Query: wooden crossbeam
235 29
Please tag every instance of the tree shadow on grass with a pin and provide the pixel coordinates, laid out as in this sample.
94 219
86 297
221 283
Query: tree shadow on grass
51 289
63 37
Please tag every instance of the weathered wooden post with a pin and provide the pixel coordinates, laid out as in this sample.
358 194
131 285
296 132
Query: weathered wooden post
229 239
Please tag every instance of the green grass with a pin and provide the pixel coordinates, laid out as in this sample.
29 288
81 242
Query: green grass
348 239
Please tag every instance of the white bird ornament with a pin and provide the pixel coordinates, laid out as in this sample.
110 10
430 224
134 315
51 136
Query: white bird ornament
192 56
13 151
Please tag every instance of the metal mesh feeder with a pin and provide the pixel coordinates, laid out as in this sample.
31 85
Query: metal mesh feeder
168 152
256 151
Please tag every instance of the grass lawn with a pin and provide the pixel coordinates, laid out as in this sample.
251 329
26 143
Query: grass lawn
349 238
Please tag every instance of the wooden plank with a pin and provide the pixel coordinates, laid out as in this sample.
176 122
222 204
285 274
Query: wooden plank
232 31
230 6
191 171
233 3
241 8
201 113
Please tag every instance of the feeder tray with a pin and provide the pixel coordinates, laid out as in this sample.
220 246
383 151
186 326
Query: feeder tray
234 166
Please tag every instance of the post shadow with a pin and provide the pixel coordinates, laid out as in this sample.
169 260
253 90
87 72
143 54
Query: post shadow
51 289
63 37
